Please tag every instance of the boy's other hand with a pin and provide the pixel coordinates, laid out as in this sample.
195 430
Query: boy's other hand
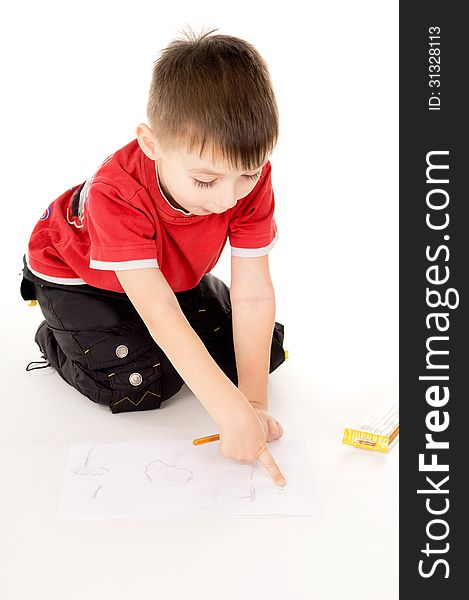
243 438
272 428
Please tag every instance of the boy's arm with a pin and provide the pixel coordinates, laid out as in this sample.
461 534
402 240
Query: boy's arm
242 434
253 311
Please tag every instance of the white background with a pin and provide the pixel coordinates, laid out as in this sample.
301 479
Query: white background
75 84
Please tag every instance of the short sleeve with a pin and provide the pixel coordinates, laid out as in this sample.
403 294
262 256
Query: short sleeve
122 236
252 230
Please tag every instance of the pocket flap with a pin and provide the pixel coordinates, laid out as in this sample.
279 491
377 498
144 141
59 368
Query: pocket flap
136 375
115 346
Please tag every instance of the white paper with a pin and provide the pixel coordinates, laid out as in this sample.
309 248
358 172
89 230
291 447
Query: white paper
137 479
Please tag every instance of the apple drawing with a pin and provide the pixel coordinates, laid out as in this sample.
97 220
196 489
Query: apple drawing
161 473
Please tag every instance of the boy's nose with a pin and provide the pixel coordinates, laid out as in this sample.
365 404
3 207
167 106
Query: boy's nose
226 203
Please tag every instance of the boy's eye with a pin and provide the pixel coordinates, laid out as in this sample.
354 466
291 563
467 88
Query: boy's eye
208 184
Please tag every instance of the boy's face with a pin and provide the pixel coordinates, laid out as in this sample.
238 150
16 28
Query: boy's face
198 185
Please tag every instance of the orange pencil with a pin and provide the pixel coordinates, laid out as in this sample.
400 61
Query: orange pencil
204 440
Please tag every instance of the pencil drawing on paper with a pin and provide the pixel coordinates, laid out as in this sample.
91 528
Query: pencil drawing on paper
96 491
161 473
148 478
215 496
86 469
172 473
218 497
252 489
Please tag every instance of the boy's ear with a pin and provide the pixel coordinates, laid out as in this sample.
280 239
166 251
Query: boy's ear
146 140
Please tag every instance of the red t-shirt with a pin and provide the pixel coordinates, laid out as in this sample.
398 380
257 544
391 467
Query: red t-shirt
119 219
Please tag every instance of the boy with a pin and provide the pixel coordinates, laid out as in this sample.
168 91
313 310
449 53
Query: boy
120 264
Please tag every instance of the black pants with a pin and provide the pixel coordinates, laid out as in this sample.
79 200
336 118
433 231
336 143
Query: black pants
99 344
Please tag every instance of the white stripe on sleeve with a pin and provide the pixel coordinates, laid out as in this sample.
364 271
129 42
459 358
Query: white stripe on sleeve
123 266
246 252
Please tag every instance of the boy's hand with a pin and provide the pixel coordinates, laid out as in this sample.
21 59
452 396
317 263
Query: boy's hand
243 438
272 428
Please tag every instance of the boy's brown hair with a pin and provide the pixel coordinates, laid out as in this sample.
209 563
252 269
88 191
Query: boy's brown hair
214 91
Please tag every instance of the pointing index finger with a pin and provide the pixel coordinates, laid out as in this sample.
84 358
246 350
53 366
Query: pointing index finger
267 460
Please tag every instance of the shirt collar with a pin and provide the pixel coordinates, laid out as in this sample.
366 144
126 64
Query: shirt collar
186 213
